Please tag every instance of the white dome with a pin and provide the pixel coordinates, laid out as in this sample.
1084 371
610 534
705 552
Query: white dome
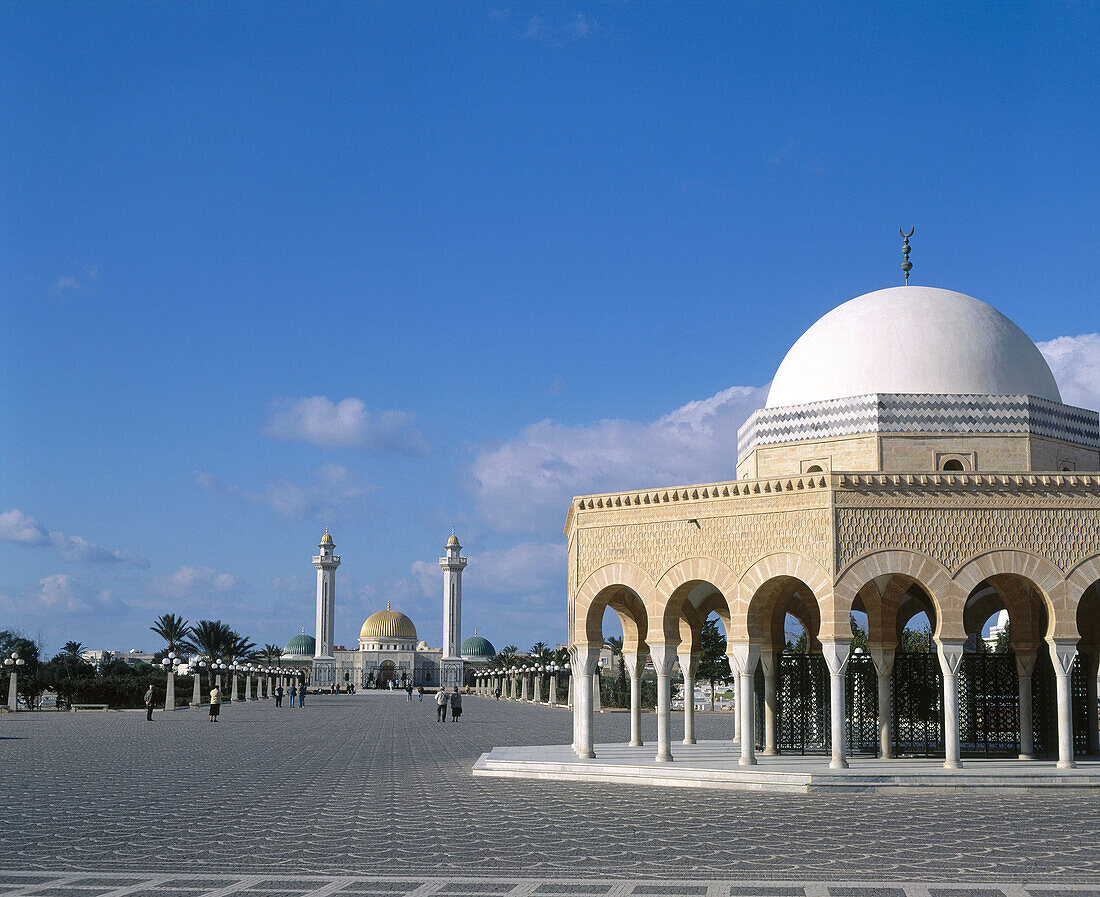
911 340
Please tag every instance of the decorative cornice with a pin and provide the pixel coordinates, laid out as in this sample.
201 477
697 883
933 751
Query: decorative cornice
919 414
1053 482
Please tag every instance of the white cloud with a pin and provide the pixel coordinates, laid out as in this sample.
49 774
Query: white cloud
190 581
62 592
523 570
1075 361
528 482
333 488
15 526
345 424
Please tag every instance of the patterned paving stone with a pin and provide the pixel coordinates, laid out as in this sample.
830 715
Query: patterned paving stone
373 786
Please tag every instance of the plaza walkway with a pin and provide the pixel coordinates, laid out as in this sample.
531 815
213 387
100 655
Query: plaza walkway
370 795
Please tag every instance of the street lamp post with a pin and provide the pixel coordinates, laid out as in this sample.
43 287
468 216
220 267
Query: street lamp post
196 693
13 663
170 663
234 669
552 697
569 691
538 684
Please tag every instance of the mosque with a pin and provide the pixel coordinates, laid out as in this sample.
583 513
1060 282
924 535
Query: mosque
914 456
389 648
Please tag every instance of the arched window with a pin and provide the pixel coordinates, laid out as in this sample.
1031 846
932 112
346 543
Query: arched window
815 468
953 464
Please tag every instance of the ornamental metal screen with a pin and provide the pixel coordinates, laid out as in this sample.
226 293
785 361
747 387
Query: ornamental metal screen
989 705
802 698
861 705
1079 699
917 687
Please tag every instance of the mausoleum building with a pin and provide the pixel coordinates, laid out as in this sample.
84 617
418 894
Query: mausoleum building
914 456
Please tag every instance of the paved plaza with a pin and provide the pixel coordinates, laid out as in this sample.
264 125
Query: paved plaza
370 795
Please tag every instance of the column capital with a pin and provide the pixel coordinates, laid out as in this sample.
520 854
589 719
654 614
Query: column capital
951 655
1025 661
634 663
743 656
836 655
689 664
584 659
883 659
767 660
1062 653
663 657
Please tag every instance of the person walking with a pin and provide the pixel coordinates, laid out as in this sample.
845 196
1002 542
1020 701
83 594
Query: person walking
420 693
149 703
408 691
215 703
456 705
302 695
278 696
293 692
441 705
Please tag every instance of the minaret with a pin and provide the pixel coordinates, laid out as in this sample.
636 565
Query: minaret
324 663
453 565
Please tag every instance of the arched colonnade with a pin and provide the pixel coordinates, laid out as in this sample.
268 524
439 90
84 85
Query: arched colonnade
1049 610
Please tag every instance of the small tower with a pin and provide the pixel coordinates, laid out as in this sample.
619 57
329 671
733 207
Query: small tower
324 662
450 670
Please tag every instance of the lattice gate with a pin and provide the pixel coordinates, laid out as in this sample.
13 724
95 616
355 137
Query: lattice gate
989 705
917 697
861 705
802 699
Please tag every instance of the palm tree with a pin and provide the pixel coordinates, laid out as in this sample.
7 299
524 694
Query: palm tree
73 649
173 629
211 639
271 654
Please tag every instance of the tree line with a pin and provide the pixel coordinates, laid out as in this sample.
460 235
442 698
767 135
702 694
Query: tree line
118 683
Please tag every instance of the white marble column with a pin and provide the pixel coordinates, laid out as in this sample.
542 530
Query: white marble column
569 691
836 659
883 659
635 663
689 666
170 690
553 696
664 657
597 696
248 686
584 660
1025 667
743 659
233 697
768 663
951 655
13 692
523 688
1062 654
196 692
538 688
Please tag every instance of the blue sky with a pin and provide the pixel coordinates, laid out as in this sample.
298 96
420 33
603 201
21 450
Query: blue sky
394 267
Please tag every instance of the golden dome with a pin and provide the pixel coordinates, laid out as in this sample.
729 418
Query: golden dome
326 539
388 624
453 540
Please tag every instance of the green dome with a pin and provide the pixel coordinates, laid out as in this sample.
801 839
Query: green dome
301 645
477 647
